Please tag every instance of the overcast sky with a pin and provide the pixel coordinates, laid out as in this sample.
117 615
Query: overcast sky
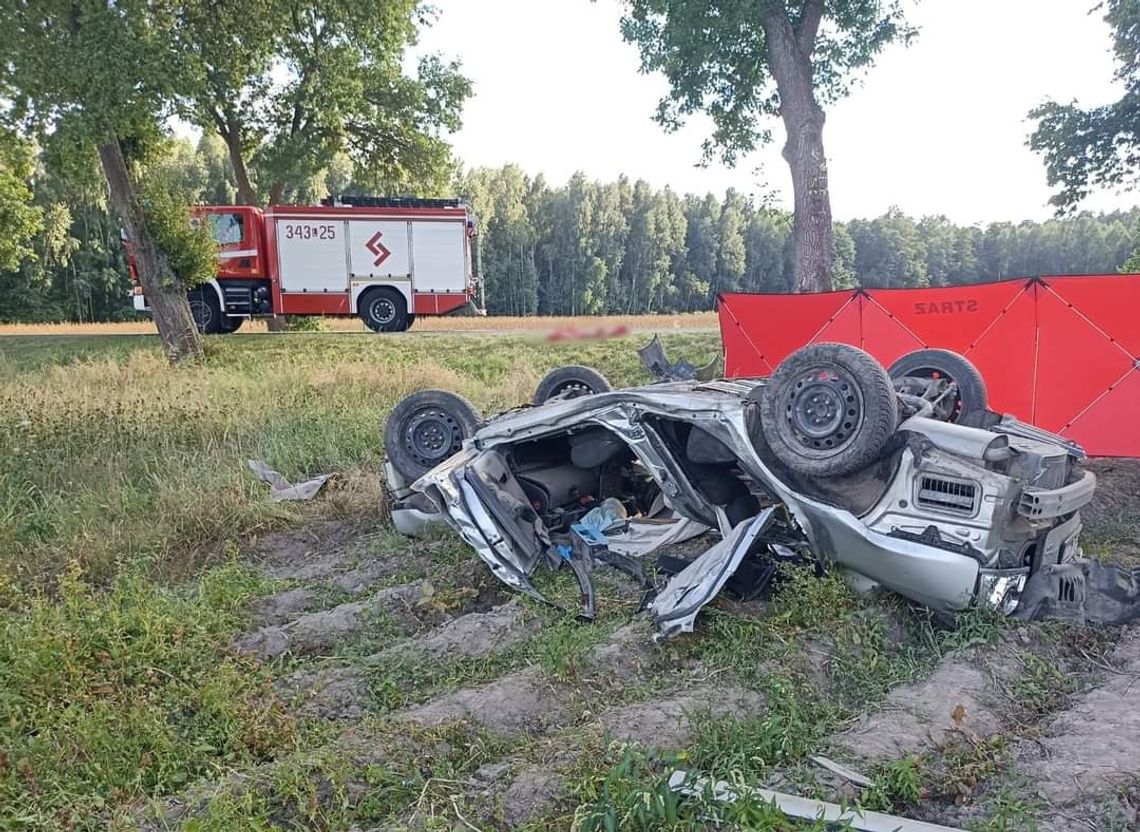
937 128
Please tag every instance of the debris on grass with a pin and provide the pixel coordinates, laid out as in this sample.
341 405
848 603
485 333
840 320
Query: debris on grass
281 490
800 807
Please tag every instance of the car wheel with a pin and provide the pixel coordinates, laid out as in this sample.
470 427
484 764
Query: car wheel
570 382
426 428
206 311
828 410
929 374
383 310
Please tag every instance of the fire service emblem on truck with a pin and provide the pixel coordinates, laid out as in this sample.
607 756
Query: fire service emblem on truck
377 248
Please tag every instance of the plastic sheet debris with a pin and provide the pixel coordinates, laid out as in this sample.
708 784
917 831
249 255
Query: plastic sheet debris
281 490
843 771
801 807
609 513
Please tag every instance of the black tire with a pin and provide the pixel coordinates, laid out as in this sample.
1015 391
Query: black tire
426 428
206 310
828 410
383 310
971 400
570 382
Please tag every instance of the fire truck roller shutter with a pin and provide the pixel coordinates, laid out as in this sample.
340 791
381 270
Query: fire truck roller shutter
439 258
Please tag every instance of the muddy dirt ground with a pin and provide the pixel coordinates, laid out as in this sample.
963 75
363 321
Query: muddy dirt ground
435 699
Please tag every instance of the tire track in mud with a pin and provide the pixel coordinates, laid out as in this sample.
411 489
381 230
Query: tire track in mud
520 707
344 692
960 695
526 707
1032 719
334 566
534 724
1088 751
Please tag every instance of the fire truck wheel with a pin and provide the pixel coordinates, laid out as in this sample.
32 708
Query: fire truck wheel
426 428
206 311
231 324
384 310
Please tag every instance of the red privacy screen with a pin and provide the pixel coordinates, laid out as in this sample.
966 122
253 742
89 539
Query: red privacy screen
1060 352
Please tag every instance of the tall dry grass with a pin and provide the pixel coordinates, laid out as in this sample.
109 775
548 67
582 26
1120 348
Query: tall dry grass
116 459
634 323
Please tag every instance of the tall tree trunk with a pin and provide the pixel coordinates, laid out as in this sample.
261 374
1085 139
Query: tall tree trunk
811 228
247 196
245 193
164 290
789 55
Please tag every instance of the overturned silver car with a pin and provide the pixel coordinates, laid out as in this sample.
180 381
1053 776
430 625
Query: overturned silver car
903 480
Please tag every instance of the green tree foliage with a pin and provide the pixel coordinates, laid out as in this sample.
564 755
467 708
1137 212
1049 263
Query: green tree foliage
78 271
744 62
289 85
20 218
86 77
1097 147
889 251
585 247
168 191
591 247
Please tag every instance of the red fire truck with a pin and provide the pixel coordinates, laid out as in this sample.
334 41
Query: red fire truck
385 259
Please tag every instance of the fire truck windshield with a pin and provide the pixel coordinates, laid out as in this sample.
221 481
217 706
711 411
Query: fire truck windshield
226 228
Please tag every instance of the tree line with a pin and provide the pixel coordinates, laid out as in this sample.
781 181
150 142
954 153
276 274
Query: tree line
581 248
624 247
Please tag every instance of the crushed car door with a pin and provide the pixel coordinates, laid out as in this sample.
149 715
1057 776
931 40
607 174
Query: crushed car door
514 535
675 608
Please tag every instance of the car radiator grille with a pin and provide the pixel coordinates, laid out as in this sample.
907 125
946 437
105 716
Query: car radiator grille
947 495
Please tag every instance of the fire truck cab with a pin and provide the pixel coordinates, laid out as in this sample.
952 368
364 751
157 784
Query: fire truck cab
384 259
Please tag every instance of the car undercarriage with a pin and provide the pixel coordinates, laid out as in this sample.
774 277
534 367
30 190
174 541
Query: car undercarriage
901 481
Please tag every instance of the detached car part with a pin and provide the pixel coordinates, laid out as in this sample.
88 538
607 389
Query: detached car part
830 459
654 360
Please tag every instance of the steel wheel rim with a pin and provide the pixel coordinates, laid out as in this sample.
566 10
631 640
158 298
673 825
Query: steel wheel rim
572 390
431 435
823 410
383 311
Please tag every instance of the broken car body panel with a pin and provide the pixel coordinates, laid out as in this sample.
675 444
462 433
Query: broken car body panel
675 608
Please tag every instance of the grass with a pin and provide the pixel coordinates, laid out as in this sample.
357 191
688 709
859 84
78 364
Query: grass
874 643
123 497
553 324
125 503
94 448
105 695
